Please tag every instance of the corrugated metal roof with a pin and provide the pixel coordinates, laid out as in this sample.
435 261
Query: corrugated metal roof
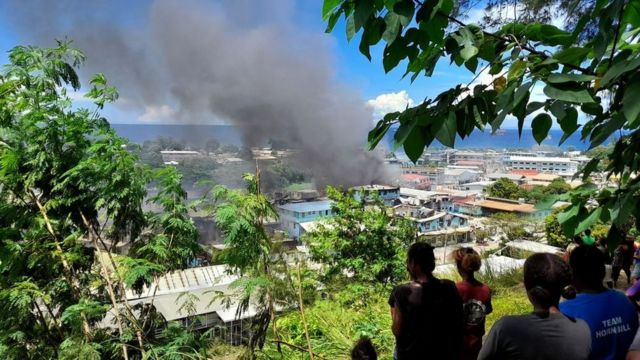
307 206
506 206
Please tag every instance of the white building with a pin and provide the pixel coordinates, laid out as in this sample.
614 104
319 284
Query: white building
554 165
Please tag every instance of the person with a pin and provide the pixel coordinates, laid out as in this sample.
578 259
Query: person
364 350
601 244
619 263
577 241
476 299
611 317
546 333
635 272
634 349
427 314
587 239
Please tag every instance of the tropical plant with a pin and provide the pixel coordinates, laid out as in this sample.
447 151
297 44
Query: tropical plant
505 189
587 72
70 194
363 240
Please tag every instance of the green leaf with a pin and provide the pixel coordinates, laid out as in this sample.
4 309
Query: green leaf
364 9
446 135
631 102
570 92
569 213
328 6
517 69
402 134
572 55
540 127
589 168
351 28
392 29
564 78
414 144
534 106
589 221
405 9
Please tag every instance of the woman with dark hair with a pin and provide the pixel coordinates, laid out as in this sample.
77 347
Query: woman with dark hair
546 333
476 300
426 313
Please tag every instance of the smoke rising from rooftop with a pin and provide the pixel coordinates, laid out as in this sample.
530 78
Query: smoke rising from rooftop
240 61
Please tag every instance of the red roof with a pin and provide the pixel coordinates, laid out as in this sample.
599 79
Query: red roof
525 172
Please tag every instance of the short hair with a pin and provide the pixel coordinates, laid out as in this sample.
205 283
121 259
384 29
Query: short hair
422 254
467 259
577 239
545 277
588 264
364 350
588 232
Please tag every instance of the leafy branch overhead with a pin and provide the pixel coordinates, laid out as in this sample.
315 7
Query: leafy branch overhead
597 77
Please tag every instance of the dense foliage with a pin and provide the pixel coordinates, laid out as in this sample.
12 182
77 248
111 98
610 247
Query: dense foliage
363 239
71 195
588 72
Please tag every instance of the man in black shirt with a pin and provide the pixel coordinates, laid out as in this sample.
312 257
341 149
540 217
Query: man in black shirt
427 315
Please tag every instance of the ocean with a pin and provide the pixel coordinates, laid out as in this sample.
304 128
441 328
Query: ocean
197 135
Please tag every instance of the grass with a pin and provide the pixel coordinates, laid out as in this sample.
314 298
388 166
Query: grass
336 323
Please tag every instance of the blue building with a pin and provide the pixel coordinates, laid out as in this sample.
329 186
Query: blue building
294 214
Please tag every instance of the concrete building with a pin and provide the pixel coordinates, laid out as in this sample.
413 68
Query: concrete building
292 215
457 176
388 194
554 165
174 157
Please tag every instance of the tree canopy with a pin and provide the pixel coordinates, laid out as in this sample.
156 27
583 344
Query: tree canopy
593 78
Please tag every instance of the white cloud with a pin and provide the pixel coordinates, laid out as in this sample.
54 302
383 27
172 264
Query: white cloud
390 102
155 113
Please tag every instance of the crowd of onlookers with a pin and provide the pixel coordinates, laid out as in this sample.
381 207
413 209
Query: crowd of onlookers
438 319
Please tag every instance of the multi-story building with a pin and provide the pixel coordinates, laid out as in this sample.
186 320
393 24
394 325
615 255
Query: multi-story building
388 194
292 215
554 165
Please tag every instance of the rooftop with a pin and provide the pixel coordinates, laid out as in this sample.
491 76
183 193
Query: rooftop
179 152
307 206
534 246
508 206
540 159
375 187
420 194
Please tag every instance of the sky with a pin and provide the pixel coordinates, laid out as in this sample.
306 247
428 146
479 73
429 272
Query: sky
381 92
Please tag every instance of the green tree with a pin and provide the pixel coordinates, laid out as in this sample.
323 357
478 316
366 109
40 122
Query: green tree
557 187
505 189
265 282
553 230
364 240
71 193
212 145
591 69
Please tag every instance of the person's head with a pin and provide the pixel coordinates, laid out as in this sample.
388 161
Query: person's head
364 350
587 232
546 276
420 260
588 266
468 261
577 239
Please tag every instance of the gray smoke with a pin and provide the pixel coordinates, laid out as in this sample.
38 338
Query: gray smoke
240 61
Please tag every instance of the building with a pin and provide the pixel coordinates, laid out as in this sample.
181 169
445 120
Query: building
174 157
430 199
492 206
388 194
415 181
292 215
207 312
478 187
457 176
554 165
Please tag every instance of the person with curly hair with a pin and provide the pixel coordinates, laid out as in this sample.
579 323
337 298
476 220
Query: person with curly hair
476 300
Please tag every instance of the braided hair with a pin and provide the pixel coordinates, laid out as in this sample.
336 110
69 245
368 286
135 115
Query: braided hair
546 278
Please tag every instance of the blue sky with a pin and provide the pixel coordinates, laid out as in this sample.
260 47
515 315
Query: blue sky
352 68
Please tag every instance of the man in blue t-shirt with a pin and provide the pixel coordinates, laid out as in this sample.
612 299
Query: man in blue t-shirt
612 318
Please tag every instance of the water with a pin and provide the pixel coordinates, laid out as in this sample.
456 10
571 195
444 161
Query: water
508 139
196 135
